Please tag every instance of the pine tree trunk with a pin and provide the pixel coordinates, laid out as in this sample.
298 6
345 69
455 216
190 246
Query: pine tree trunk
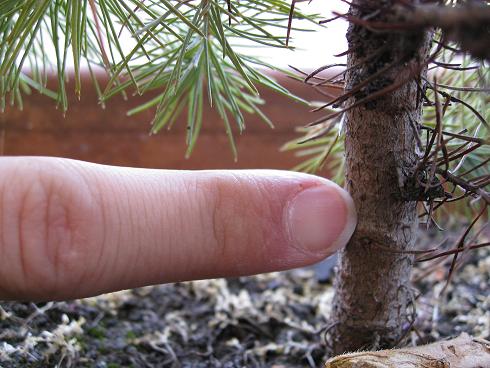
372 290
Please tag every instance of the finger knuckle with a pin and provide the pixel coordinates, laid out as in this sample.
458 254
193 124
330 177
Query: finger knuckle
50 227
240 214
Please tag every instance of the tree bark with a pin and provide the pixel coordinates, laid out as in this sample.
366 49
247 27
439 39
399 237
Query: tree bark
372 292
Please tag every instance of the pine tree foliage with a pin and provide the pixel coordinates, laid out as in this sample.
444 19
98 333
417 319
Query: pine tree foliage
183 50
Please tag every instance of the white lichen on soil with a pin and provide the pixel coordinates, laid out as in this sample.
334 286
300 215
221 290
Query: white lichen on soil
261 321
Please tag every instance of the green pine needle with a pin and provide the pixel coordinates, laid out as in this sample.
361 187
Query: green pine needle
181 50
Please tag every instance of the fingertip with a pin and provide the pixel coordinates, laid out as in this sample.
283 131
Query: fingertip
350 219
320 220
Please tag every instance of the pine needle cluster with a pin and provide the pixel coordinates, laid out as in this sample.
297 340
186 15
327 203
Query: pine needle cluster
184 51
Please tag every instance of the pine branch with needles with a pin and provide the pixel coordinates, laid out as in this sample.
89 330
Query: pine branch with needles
183 50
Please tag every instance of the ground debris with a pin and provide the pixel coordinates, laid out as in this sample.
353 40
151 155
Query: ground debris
262 321
249 321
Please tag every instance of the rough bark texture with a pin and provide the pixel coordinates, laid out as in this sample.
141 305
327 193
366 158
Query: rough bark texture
371 305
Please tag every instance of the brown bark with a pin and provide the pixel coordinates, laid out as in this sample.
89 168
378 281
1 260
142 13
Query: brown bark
467 24
462 352
372 292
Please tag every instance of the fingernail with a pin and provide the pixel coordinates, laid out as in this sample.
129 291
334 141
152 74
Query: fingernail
321 219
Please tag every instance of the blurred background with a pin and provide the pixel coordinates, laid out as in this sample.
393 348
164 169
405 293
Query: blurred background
107 135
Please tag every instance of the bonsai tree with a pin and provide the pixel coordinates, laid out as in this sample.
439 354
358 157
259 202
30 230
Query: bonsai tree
409 126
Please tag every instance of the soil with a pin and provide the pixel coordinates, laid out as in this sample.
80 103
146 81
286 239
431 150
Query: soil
273 320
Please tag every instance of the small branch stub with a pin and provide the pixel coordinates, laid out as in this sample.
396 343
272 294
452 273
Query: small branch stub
462 352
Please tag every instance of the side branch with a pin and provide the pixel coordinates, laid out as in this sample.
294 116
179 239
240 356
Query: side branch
447 17
467 24
469 187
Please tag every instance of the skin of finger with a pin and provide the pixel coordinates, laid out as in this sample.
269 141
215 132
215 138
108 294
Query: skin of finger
195 225
85 229
50 228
